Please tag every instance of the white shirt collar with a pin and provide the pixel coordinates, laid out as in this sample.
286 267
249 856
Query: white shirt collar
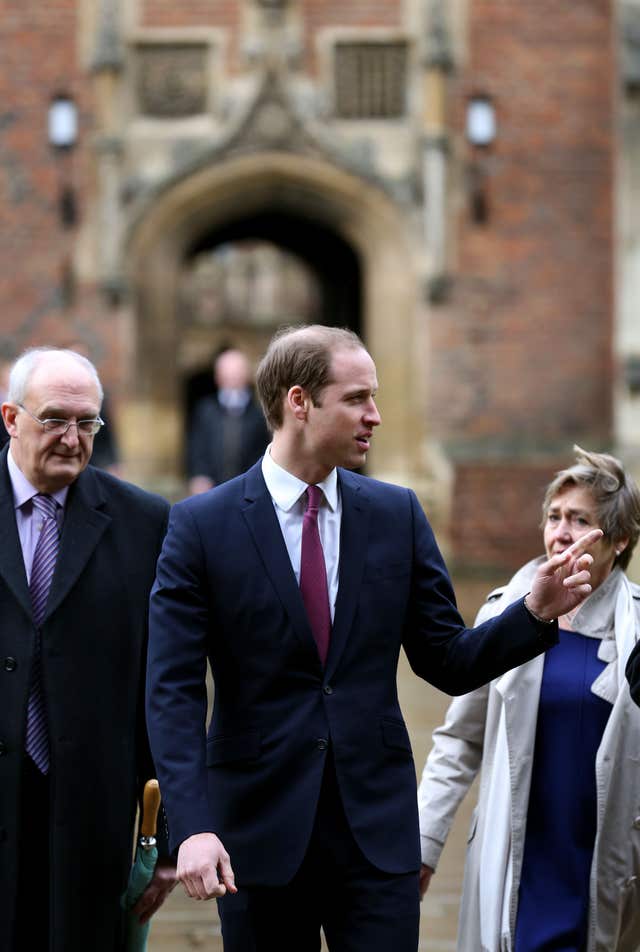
286 489
23 490
234 398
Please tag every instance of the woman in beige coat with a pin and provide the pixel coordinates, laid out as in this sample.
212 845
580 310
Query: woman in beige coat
553 862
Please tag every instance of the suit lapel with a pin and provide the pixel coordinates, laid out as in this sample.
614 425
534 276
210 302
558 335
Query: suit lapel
262 521
83 527
354 531
11 561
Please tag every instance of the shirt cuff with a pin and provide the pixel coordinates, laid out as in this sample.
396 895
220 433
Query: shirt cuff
547 630
430 850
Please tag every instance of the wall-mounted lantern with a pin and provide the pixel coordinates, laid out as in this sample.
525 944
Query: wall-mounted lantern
481 130
481 121
62 122
62 134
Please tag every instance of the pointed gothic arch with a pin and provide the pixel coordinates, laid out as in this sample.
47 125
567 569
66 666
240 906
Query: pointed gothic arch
221 194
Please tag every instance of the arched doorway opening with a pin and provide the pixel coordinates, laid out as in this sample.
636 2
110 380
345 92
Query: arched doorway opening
346 230
242 281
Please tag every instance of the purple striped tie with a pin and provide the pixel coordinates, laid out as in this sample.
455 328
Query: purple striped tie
44 563
313 575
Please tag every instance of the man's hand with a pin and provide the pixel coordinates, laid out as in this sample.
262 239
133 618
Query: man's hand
426 872
163 881
563 581
204 867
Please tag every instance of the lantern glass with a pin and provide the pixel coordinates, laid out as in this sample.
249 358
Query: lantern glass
62 123
481 121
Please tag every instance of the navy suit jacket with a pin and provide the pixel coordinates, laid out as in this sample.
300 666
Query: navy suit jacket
225 591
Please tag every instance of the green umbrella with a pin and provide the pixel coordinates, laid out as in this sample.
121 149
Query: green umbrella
142 870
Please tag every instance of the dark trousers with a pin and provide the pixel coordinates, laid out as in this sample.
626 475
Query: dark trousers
360 908
32 906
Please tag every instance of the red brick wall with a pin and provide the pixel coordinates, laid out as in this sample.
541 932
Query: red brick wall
319 14
496 518
39 60
170 13
223 14
522 361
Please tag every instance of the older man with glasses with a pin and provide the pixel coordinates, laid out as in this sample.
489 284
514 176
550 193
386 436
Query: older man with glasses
77 560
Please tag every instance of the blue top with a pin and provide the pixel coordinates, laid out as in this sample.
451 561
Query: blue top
553 901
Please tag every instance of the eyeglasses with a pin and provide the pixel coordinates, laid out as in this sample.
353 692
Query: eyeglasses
60 427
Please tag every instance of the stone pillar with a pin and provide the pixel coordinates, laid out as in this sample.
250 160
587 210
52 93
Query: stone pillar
437 64
106 69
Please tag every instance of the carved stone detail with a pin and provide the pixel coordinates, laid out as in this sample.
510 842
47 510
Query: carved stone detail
172 79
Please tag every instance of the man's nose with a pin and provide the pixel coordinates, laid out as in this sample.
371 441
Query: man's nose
372 415
71 437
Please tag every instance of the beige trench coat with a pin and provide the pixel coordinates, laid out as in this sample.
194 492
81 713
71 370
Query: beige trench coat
468 741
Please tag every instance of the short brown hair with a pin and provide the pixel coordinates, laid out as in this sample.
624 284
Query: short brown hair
615 494
299 356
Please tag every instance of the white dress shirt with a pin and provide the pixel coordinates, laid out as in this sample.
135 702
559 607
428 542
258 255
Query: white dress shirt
289 500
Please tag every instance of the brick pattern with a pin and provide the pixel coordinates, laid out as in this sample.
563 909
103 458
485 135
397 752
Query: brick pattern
222 14
168 13
521 356
317 15
38 61
37 255
495 522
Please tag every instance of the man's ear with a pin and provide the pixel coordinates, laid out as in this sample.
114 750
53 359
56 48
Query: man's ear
9 414
298 402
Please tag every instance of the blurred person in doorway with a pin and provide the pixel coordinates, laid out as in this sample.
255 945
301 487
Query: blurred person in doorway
553 861
228 432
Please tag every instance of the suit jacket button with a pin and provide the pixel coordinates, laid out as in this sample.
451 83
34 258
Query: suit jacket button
322 743
10 664
328 689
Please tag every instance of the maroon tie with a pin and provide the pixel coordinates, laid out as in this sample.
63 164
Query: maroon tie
313 574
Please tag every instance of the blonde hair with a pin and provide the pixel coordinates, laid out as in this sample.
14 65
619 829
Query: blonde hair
615 494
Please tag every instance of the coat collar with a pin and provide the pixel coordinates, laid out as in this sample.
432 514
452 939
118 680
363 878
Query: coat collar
11 560
85 522
262 522
83 526
354 531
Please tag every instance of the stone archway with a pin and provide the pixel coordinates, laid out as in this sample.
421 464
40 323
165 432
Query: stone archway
360 213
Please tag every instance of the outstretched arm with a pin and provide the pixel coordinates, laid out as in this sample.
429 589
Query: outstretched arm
457 659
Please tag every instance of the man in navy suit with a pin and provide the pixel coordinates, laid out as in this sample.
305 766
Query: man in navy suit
306 774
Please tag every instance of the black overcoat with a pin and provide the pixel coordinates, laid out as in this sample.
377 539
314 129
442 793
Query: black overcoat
206 441
93 653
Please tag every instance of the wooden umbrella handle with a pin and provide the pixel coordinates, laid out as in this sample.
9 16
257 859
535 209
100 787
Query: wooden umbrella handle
150 807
